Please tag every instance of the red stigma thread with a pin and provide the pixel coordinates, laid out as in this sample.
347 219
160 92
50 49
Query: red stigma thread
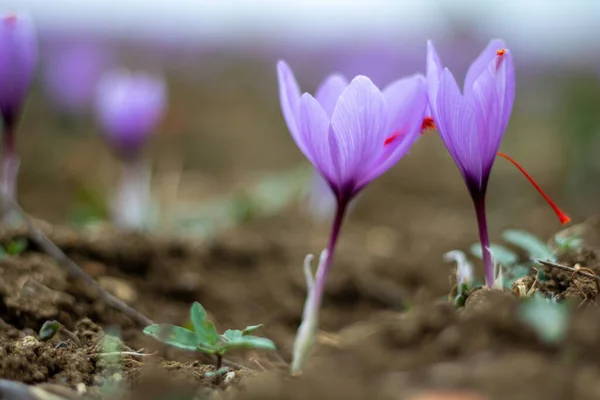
499 58
564 218
428 123
390 139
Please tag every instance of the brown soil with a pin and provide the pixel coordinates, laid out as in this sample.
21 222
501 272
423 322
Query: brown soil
374 344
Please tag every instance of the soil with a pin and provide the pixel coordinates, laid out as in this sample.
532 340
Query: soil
374 344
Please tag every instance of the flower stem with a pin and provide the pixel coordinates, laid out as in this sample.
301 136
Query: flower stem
322 273
310 318
131 202
10 167
479 202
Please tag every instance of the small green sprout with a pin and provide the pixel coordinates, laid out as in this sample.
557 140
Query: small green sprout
205 337
514 266
568 243
49 330
14 248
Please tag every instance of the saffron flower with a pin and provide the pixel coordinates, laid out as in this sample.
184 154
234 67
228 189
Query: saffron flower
72 71
18 60
129 108
472 124
352 133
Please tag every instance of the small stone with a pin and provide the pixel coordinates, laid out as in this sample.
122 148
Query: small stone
118 288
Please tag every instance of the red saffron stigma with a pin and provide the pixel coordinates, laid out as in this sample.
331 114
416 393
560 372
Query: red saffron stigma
564 218
428 123
501 52
391 138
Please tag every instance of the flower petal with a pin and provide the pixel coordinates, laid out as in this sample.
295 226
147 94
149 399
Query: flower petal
330 91
434 70
313 123
480 64
289 97
18 61
493 95
406 101
457 124
358 129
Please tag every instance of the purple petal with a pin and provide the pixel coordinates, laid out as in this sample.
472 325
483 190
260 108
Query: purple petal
72 71
406 101
289 96
358 130
493 95
480 64
129 108
18 59
330 91
434 70
457 124
313 123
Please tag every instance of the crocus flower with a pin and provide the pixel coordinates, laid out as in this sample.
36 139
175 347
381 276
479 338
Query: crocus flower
472 124
18 59
129 108
352 133
72 71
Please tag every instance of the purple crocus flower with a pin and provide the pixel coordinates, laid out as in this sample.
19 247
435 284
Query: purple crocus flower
473 123
129 108
352 133
18 60
72 72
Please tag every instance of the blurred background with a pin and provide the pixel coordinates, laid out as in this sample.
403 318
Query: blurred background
223 155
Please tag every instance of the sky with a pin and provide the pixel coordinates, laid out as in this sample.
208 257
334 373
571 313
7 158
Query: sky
551 28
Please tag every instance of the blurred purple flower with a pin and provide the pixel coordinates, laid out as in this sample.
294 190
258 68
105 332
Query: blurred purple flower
129 108
18 60
352 133
473 123
72 72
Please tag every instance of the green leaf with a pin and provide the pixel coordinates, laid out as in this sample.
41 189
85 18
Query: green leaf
221 371
502 255
249 329
568 243
232 334
248 342
175 336
528 242
17 246
205 330
548 318
49 330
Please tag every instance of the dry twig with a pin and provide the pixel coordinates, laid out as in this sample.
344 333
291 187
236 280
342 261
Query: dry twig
53 250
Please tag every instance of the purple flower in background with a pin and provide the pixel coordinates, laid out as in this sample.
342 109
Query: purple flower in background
18 60
72 71
129 108
472 124
352 133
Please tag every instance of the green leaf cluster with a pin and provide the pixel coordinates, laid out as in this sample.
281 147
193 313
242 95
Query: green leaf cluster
205 338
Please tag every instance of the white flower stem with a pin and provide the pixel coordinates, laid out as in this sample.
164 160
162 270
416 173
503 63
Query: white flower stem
131 203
